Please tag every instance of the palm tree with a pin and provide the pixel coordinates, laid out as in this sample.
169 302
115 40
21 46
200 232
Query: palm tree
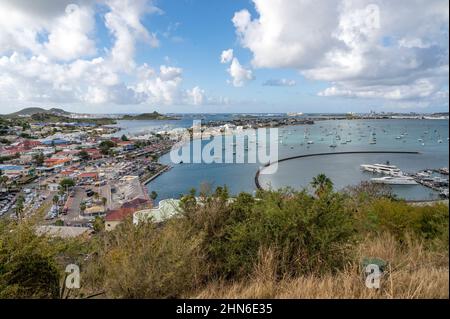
55 199
322 184
104 201
82 207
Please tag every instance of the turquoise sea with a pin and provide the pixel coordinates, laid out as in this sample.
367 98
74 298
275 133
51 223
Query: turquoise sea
429 137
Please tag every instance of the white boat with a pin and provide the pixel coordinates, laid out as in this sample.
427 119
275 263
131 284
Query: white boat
310 142
381 169
397 180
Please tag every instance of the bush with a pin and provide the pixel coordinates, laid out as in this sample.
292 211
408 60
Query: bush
307 234
145 262
429 222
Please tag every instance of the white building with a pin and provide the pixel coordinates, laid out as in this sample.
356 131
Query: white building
167 208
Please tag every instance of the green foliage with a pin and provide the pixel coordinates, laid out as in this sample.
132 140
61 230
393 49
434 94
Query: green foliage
99 224
322 184
145 262
59 222
31 265
218 237
427 222
39 159
307 234
106 146
67 183
19 206
84 155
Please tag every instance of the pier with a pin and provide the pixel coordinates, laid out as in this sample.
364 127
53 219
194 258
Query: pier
258 173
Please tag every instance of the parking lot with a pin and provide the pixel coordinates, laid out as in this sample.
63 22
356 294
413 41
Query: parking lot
7 202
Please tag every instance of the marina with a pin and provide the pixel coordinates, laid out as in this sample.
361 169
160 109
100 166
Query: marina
326 136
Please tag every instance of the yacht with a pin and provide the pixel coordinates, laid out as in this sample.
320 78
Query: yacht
381 169
394 180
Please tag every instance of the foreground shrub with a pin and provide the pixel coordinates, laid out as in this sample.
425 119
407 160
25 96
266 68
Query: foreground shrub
306 234
28 267
428 222
145 261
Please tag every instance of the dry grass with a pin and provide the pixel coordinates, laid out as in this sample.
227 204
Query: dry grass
413 272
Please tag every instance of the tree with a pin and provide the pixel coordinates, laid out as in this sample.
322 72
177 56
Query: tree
99 224
153 195
124 138
67 183
82 207
59 222
322 184
105 147
39 159
3 179
84 155
55 199
19 207
104 201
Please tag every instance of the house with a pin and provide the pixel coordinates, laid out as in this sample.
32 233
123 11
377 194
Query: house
52 162
13 171
126 145
94 211
88 177
116 217
53 187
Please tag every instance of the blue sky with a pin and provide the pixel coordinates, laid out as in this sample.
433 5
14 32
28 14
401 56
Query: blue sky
288 55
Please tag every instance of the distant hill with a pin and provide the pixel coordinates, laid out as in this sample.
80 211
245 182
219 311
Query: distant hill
148 116
30 111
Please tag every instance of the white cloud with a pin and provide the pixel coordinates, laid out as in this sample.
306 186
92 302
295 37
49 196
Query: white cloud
239 74
366 48
48 55
280 82
226 56
69 37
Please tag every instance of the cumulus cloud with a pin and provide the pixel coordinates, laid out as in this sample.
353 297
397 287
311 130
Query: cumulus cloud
366 48
226 56
48 54
280 82
240 75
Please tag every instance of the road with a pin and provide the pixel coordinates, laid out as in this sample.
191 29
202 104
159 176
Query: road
73 214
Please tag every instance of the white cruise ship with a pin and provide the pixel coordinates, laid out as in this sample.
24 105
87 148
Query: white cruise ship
391 180
382 169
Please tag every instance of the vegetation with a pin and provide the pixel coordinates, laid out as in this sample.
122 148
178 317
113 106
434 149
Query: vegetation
39 159
275 244
148 116
67 183
84 156
106 146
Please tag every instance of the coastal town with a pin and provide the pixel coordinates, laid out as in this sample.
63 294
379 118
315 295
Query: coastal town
80 172
75 174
